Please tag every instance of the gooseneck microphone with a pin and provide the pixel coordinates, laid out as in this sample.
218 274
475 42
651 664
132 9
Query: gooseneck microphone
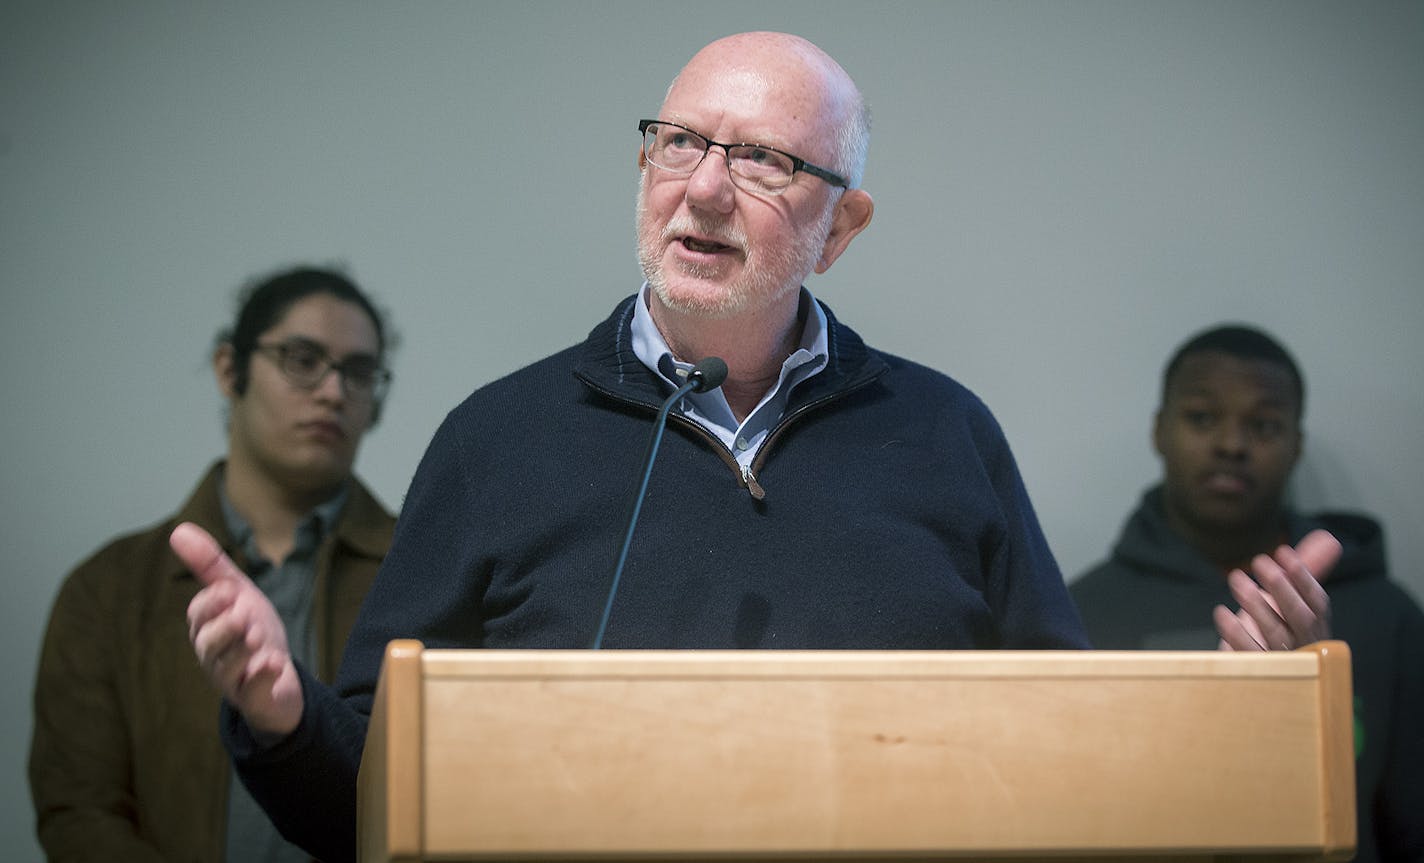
707 374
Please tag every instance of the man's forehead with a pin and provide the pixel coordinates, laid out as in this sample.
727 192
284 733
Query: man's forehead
740 92
742 89
298 339
747 106
344 330
1213 373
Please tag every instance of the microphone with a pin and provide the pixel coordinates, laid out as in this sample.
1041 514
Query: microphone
707 374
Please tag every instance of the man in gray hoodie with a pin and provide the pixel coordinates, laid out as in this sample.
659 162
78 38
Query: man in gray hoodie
1229 433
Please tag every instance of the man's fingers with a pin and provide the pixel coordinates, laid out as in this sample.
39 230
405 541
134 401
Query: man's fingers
1237 630
209 603
1299 594
1319 550
1259 605
226 648
218 639
264 666
202 554
1302 601
1282 604
1285 600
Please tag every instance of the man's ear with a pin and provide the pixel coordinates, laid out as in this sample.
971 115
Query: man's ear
853 212
225 370
1157 431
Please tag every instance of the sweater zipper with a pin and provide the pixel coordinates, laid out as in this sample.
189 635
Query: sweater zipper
749 479
745 476
749 475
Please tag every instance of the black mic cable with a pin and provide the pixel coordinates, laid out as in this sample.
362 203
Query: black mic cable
707 374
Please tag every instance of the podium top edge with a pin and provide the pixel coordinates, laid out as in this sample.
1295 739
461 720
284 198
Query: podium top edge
731 664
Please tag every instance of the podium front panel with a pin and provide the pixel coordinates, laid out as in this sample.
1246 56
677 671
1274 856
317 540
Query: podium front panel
824 755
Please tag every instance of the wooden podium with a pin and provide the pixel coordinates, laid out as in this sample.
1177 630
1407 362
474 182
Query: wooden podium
756 755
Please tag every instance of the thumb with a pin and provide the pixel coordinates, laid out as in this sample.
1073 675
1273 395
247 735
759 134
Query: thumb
202 554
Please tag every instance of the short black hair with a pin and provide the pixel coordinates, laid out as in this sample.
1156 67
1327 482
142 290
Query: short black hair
265 300
1243 342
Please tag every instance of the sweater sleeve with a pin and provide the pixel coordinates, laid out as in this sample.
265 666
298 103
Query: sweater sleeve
428 587
307 781
1023 582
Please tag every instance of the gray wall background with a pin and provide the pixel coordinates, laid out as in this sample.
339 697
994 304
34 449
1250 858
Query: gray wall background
1065 190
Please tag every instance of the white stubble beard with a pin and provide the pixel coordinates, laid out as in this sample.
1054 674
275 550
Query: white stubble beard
768 275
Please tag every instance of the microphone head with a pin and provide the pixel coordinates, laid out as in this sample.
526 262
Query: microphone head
707 374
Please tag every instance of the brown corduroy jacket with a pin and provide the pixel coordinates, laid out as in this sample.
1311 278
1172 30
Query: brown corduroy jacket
125 762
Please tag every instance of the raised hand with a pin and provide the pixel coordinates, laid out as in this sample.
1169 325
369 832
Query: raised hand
1284 607
238 637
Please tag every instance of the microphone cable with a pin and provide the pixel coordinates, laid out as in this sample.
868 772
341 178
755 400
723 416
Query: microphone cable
707 374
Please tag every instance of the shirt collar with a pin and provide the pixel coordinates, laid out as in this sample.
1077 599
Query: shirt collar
710 409
653 351
310 531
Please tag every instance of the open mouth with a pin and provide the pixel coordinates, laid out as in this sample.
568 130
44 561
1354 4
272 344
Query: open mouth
706 247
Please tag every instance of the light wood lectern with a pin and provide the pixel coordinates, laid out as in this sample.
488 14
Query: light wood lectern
755 755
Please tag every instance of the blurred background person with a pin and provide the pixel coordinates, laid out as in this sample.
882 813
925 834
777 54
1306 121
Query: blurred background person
1229 434
125 761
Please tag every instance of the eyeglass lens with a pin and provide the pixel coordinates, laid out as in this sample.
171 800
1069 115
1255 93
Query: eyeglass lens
307 365
676 149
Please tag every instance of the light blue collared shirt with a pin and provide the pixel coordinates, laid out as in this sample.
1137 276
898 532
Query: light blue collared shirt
710 409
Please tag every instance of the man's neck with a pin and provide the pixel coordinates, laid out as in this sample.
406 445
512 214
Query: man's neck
1231 549
273 510
754 345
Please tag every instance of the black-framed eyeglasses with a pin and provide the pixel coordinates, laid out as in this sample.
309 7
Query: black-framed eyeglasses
754 167
306 364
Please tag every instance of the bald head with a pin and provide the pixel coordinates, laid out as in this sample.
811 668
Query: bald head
807 86
715 246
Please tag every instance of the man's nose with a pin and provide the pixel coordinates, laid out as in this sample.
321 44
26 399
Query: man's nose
332 386
1232 438
709 186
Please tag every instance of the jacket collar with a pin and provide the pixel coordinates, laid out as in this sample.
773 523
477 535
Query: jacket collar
364 527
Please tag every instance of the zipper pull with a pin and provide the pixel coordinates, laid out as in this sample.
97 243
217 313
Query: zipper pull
753 486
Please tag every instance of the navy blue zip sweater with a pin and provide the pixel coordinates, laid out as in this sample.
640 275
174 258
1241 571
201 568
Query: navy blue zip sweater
888 514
